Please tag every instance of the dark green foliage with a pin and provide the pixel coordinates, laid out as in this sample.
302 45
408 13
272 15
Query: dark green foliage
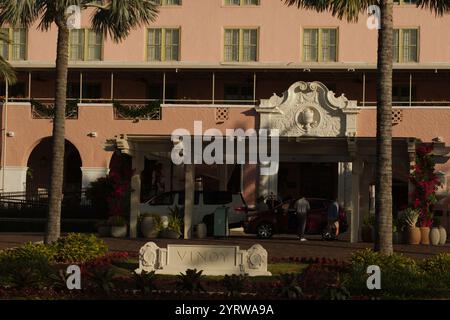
191 281
145 282
235 284
98 192
102 278
24 271
289 286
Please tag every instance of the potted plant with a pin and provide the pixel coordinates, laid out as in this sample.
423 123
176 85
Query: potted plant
118 226
435 235
367 231
175 222
103 229
425 230
426 183
151 225
410 217
438 234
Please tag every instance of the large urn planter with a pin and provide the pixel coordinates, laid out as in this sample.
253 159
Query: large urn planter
435 236
442 235
119 231
367 234
169 234
148 228
424 235
413 235
201 231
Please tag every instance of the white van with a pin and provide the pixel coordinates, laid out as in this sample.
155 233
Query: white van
205 203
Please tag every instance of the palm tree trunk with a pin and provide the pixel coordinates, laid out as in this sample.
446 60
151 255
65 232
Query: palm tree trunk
57 166
383 201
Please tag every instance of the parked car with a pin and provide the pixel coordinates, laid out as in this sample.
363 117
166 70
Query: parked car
205 203
282 219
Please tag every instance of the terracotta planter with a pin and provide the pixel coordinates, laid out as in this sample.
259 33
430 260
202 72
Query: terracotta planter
424 235
442 235
413 235
119 232
435 236
367 234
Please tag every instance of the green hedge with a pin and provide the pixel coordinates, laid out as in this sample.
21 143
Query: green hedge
401 277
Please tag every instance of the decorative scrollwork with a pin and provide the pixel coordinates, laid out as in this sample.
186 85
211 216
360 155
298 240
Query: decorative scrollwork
151 111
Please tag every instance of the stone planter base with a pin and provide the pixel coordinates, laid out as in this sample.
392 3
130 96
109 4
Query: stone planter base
424 235
119 232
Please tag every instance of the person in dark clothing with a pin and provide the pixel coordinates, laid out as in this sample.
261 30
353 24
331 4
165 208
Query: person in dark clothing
301 207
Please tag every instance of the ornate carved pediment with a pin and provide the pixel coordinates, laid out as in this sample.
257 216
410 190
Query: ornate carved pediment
309 109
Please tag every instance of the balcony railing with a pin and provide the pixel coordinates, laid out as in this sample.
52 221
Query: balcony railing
406 104
46 109
147 110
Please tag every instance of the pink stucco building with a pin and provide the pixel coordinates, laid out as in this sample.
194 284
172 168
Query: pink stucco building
219 61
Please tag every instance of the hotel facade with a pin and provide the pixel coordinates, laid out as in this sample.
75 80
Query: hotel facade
231 64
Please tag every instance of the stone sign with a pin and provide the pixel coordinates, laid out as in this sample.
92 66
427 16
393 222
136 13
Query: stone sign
212 259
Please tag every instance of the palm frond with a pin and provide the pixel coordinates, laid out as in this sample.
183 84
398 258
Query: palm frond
440 7
7 72
20 12
117 17
348 9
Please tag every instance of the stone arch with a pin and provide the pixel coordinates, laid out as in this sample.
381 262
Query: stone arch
39 161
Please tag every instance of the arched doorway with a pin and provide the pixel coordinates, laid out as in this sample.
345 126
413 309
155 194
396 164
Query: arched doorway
38 175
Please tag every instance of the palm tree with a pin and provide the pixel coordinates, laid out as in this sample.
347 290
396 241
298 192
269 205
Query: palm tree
114 18
351 9
6 71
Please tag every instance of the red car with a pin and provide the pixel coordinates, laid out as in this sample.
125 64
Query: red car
282 219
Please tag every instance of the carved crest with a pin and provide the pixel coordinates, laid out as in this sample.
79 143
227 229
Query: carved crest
309 109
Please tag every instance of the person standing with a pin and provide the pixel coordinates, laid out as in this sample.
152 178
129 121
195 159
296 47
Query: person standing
302 208
333 218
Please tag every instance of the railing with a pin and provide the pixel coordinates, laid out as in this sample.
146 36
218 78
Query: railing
132 110
406 104
35 205
45 109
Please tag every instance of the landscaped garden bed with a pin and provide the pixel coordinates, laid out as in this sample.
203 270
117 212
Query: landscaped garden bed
36 271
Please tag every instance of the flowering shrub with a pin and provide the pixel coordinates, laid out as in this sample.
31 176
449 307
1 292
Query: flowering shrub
120 177
77 247
425 183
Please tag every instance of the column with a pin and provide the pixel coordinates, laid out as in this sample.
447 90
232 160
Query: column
364 190
348 186
341 183
354 223
223 176
135 197
189 199
91 174
15 179
267 183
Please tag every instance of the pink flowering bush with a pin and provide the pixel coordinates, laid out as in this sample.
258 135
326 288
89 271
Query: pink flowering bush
425 183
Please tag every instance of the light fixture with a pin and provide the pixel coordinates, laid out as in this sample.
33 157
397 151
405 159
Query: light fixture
92 134
10 134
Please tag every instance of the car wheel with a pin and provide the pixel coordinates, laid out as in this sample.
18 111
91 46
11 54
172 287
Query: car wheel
265 231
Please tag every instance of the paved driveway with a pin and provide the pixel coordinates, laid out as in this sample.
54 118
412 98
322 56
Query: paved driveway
281 246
